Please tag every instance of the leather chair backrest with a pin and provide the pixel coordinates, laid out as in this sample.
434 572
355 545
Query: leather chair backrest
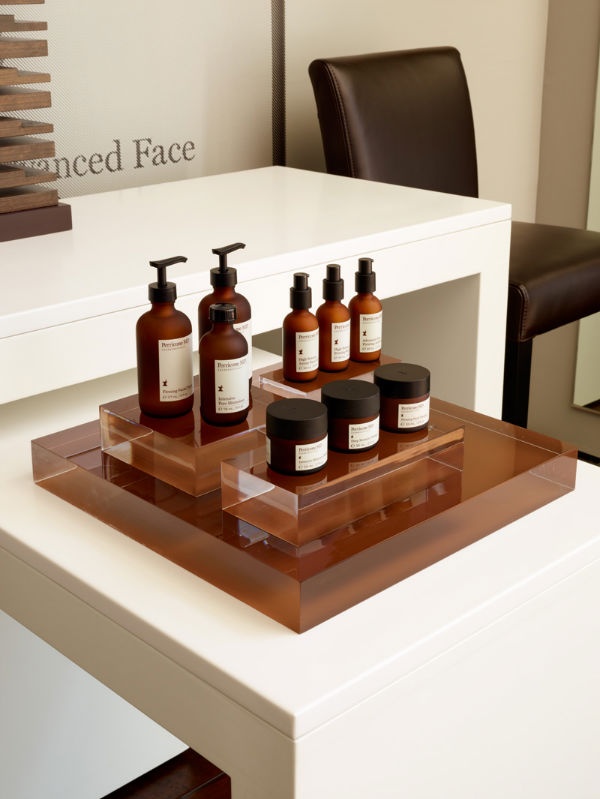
398 117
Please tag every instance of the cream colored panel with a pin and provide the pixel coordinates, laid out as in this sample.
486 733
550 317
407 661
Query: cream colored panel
502 45
144 92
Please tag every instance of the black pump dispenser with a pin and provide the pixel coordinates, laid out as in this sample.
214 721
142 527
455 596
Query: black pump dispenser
162 290
300 292
223 275
364 279
333 285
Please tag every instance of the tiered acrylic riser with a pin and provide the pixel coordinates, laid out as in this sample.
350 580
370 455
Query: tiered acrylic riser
438 509
301 509
271 378
183 451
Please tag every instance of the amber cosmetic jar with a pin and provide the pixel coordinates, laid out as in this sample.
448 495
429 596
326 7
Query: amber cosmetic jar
353 414
404 389
296 436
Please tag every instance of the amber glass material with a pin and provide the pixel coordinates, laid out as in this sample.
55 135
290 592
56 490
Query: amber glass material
222 294
184 452
222 343
302 509
162 322
364 303
438 508
334 323
300 322
330 313
243 322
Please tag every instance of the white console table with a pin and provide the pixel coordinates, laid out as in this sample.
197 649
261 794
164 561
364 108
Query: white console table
71 299
475 677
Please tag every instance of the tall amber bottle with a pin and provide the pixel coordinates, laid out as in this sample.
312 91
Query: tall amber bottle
334 323
223 279
164 350
300 334
365 315
224 389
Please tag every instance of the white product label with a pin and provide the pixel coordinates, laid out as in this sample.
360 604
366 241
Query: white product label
370 332
175 368
310 456
415 414
307 351
365 434
245 328
231 385
340 341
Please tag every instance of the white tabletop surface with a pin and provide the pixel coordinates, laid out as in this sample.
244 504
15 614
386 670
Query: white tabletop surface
293 682
286 217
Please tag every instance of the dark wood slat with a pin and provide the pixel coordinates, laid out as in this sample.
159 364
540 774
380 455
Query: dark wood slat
9 76
186 776
25 199
36 222
23 99
13 126
25 149
12 177
219 789
23 48
9 23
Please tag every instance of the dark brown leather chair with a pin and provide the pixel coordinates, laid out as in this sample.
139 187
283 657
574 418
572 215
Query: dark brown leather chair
405 117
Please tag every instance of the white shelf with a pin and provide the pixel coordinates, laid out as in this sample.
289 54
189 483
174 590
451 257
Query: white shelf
75 296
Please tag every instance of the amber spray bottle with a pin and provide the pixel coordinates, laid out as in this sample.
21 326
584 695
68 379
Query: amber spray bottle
224 389
334 323
365 315
223 279
164 350
300 334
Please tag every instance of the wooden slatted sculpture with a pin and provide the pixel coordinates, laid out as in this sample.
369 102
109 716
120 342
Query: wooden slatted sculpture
28 206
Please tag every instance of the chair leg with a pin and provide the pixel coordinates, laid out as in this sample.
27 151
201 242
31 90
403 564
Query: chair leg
517 376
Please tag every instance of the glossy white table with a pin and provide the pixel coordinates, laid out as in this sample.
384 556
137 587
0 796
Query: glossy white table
475 677
71 300
395 692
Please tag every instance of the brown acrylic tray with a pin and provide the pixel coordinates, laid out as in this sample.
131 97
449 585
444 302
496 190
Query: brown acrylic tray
500 473
302 509
270 378
183 451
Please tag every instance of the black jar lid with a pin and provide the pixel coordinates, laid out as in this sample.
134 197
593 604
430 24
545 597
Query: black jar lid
402 380
351 399
296 419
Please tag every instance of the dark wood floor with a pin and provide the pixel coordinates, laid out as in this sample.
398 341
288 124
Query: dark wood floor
186 776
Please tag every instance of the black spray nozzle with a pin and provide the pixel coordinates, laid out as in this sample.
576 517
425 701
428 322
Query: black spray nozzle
364 279
162 290
224 275
333 285
300 292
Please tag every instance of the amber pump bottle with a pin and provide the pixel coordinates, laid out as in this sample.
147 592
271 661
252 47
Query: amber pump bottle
334 323
224 389
365 315
300 334
164 350
223 279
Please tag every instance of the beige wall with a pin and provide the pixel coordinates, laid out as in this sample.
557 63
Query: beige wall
502 45
565 159
568 111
